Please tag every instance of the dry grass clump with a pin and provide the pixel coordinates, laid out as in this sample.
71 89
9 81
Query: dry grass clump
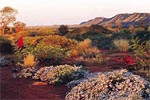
29 60
116 85
122 45
86 51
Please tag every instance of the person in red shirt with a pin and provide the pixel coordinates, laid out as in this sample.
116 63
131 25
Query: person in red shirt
20 43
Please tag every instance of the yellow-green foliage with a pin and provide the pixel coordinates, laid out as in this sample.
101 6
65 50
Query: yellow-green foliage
142 52
122 44
42 31
83 45
53 40
29 61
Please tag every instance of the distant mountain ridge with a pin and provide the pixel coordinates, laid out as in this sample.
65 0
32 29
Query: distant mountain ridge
125 20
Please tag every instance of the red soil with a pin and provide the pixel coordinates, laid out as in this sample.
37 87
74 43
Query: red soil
21 88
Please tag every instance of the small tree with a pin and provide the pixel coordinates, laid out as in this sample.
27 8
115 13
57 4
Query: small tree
19 26
63 29
7 15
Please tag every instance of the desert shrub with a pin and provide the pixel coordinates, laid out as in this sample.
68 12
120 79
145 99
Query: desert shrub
142 36
142 52
123 34
74 53
46 55
47 49
115 85
59 74
32 32
122 45
5 45
87 51
63 29
41 32
25 72
83 45
50 55
98 39
98 29
53 40
59 41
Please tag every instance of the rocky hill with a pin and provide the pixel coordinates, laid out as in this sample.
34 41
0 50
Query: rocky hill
136 19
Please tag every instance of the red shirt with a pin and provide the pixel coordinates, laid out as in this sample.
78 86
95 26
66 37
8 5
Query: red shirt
20 43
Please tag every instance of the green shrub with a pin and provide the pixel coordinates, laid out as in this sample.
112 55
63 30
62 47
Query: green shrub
123 34
142 36
98 39
5 45
63 29
142 52
46 55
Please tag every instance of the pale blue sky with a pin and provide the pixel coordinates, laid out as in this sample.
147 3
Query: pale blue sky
49 12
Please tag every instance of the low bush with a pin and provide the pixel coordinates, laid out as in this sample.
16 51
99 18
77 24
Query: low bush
115 85
46 55
98 39
53 40
142 36
59 74
5 46
25 72
123 34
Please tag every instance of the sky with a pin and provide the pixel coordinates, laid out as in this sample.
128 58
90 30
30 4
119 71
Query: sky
56 12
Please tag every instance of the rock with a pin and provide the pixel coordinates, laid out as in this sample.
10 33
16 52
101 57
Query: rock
39 83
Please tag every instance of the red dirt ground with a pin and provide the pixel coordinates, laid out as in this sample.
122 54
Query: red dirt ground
18 89
15 88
